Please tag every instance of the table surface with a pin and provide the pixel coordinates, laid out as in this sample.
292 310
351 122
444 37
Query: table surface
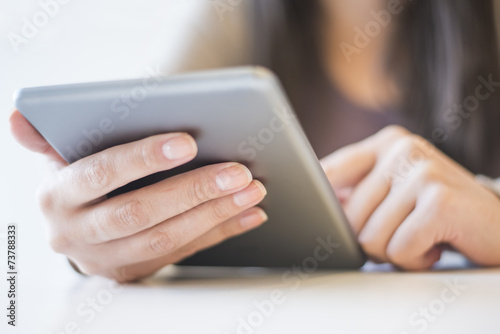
90 41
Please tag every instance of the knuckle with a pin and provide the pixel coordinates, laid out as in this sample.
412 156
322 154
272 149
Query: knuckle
394 131
439 193
367 242
45 198
161 242
372 246
59 243
97 173
440 198
92 229
218 212
198 191
406 144
148 155
426 172
395 256
131 215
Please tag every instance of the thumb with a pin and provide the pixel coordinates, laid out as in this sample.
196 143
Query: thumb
30 138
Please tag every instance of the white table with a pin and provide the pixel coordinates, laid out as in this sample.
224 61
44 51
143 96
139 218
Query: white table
204 300
93 40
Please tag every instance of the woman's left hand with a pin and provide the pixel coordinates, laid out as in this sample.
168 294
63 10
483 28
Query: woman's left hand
405 200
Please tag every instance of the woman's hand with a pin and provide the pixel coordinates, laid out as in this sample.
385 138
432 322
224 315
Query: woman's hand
405 200
132 235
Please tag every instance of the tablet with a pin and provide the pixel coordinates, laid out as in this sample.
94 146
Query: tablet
239 114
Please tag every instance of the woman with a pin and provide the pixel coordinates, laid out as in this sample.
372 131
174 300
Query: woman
370 79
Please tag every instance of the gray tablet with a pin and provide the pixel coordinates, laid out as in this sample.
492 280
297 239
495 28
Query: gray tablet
239 114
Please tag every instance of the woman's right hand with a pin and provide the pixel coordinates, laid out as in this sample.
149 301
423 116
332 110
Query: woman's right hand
132 235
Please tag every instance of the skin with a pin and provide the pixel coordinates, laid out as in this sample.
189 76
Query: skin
132 235
362 78
405 199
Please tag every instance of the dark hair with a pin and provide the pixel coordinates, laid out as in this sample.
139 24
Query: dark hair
437 54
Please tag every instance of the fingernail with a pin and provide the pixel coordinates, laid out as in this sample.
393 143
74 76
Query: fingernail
179 147
254 192
233 177
253 219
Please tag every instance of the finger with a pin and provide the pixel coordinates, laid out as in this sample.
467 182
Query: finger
372 190
413 244
347 166
244 222
175 233
30 138
365 198
343 195
141 209
375 235
95 176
